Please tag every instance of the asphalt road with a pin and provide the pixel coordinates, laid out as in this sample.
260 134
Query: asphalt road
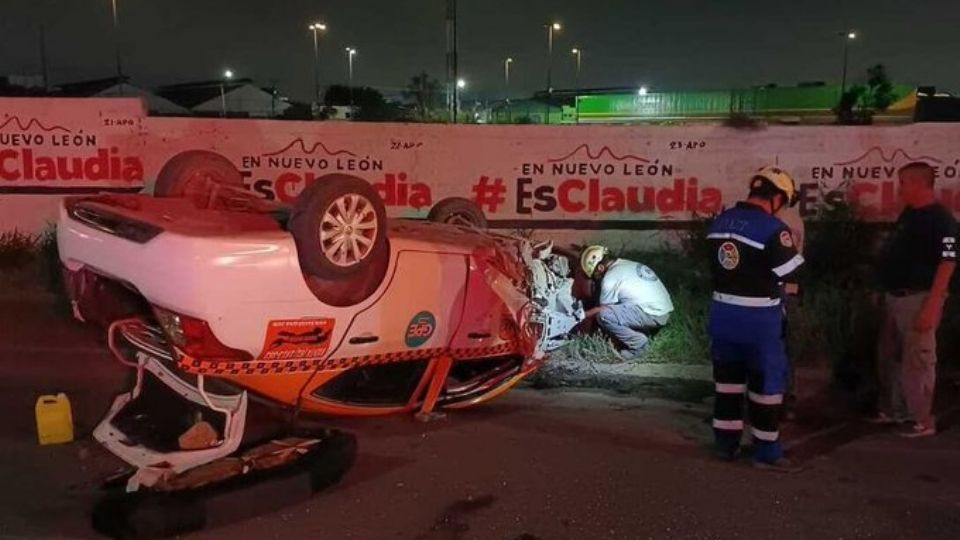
533 465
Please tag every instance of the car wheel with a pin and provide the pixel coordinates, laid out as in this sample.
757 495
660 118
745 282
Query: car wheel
458 211
339 224
194 174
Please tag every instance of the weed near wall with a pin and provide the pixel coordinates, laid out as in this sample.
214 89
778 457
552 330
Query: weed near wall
30 266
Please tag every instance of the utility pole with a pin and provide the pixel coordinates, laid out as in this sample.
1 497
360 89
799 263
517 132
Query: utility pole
43 60
116 36
453 73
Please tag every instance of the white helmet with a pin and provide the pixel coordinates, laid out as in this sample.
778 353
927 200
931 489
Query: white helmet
591 258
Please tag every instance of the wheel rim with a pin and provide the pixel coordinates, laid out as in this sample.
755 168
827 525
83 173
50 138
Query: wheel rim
200 183
461 220
348 229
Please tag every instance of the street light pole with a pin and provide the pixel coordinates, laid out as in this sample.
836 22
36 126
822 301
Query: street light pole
506 85
847 38
578 53
461 85
351 52
315 28
551 28
227 75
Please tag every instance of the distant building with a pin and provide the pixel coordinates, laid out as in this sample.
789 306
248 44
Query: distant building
527 111
339 112
22 85
237 98
808 103
121 87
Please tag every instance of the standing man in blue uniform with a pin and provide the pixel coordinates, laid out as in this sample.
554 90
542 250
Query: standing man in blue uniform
754 255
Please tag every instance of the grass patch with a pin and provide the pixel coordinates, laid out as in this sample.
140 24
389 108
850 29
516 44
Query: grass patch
589 350
684 339
17 249
836 323
30 267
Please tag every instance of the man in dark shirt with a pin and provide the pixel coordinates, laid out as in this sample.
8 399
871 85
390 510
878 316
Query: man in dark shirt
915 267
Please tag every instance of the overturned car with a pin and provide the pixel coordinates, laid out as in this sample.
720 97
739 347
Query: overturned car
327 307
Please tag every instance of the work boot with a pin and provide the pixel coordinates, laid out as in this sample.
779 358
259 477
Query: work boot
781 465
915 430
630 355
724 454
884 419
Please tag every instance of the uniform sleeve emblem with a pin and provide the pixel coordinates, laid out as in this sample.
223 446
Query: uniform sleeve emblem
786 238
949 248
728 255
646 273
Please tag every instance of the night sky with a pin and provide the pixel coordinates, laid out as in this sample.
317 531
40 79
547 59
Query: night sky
666 44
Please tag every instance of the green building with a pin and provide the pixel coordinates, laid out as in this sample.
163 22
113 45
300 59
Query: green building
812 103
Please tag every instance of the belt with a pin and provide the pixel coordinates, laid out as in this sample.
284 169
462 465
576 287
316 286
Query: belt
900 293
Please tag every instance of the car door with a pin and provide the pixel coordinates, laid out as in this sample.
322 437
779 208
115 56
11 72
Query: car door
416 316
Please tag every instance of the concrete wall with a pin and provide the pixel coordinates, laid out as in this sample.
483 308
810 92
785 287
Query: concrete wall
575 181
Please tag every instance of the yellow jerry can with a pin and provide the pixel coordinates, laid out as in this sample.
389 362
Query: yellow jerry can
54 419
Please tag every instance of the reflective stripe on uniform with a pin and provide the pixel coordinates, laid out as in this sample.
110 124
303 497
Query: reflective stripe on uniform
745 301
727 388
769 436
788 266
731 425
761 399
737 237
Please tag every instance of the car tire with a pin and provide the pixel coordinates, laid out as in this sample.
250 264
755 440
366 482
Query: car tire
334 246
190 174
458 211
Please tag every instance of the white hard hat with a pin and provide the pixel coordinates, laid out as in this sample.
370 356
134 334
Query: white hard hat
591 257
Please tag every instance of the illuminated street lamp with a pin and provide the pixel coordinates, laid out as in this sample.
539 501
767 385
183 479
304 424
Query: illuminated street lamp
847 37
460 87
227 75
642 91
551 28
316 28
351 52
578 54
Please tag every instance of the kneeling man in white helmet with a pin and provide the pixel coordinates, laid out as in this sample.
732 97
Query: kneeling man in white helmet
633 302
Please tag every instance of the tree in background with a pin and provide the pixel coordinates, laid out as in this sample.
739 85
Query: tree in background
879 94
370 103
860 102
426 94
